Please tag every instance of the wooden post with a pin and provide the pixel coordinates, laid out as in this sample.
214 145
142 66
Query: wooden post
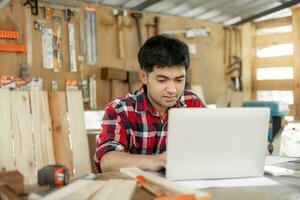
247 57
296 38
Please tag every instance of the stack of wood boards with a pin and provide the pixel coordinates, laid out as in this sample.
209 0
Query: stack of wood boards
113 189
35 132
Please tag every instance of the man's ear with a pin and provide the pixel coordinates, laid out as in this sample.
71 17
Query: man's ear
143 76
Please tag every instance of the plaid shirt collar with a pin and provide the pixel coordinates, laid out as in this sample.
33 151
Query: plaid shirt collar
144 105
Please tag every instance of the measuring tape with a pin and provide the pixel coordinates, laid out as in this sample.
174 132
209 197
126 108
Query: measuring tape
53 175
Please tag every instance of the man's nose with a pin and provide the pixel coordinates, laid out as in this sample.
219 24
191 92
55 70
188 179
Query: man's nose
171 88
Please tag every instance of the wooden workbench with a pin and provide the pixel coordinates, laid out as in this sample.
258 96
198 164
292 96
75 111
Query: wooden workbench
288 188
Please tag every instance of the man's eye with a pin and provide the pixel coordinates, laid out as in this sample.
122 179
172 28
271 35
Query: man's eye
161 80
179 80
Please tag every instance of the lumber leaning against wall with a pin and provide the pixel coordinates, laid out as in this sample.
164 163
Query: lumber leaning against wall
206 65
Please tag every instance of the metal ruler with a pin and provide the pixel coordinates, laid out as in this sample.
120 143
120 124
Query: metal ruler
91 42
57 25
72 47
47 44
28 37
92 91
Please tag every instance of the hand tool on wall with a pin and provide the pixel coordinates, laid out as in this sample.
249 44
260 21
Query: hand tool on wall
155 25
49 6
91 42
53 176
11 47
72 47
83 84
48 11
137 17
28 37
57 37
68 14
33 6
92 91
47 45
119 15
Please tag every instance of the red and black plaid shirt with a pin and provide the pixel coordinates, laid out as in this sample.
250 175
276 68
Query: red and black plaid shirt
131 124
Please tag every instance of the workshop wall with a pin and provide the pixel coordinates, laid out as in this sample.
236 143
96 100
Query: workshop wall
207 67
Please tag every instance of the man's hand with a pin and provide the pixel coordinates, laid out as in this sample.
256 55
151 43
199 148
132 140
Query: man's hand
157 162
113 161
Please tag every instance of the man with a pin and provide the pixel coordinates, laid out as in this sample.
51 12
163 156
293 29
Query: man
134 128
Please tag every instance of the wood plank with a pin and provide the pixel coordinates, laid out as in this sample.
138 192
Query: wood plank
23 140
296 37
283 21
80 189
279 61
80 147
116 189
273 39
7 160
165 184
60 128
42 129
274 85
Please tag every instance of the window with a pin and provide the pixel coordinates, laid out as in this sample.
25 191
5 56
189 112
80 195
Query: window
274 73
285 96
275 50
278 29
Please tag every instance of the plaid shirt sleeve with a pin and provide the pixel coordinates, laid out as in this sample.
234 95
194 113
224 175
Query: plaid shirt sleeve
191 100
113 136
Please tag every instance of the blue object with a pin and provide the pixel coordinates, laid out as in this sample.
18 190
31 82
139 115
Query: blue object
278 111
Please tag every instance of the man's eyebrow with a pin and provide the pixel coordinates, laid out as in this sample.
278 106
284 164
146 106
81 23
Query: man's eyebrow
163 76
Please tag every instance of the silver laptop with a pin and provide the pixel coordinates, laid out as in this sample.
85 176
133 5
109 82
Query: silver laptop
216 143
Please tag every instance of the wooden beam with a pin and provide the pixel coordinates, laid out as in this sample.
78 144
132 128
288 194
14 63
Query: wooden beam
42 129
23 139
116 189
296 38
248 53
79 139
280 61
7 160
274 85
273 39
60 128
284 21
79 189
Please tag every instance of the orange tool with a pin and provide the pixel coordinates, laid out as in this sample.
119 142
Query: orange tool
13 47
160 192
177 197
9 34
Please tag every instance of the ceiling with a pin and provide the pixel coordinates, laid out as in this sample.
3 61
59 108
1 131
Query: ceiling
227 12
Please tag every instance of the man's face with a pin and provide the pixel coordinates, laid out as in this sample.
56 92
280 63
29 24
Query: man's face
164 86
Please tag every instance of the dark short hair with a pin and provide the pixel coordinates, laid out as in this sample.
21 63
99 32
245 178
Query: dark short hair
163 51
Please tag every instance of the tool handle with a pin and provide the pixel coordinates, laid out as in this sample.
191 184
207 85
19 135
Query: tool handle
120 36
